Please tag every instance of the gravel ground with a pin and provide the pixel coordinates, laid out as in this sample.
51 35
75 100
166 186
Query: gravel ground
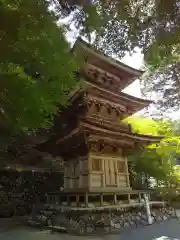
169 229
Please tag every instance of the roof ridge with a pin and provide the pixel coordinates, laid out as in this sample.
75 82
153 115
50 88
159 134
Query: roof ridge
121 94
118 62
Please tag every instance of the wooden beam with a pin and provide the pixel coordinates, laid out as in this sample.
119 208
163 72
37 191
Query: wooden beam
103 174
129 198
101 200
127 173
115 199
86 200
140 198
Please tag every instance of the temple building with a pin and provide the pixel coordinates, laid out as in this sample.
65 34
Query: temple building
94 144
89 134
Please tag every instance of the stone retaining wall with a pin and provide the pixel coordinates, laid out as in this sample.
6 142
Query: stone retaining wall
107 221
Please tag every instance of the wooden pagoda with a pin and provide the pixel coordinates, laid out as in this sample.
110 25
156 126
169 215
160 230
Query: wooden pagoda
89 135
94 144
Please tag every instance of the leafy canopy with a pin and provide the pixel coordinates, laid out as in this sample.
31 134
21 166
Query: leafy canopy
122 25
156 160
36 67
118 27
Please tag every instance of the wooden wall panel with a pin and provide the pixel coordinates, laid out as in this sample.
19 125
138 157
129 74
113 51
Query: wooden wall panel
122 180
68 183
65 183
107 173
77 182
98 171
83 181
122 177
83 166
96 180
110 172
122 184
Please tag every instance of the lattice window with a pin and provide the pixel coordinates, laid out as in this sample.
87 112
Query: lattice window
120 166
96 164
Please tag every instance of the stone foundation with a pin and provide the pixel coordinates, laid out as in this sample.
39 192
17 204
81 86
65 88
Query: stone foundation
98 220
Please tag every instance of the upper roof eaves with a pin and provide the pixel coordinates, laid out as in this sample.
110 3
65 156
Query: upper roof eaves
115 63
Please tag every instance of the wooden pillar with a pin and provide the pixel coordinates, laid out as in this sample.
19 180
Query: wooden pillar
129 198
86 200
53 199
56 199
127 173
103 174
115 199
68 200
89 166
101 200
46 198
77 201
148 210
139 194
116 173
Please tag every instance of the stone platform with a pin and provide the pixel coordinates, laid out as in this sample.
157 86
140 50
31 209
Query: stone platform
98 220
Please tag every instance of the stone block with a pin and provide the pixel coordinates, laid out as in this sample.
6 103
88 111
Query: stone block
144 216
159 218
112 223
153 214
164 217
132 223
138 218
117 225
143 222
90 229
126 225
139 214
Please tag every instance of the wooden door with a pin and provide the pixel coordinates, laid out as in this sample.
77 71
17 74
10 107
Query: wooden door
110 178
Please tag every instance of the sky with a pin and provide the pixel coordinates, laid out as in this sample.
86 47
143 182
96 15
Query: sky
136 61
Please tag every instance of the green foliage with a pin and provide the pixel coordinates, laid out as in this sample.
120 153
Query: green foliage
143 125
164 83
147 24
150 126
156 160
117 27
36 67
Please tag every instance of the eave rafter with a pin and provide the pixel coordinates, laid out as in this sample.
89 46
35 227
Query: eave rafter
96 106
123 101
100 60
